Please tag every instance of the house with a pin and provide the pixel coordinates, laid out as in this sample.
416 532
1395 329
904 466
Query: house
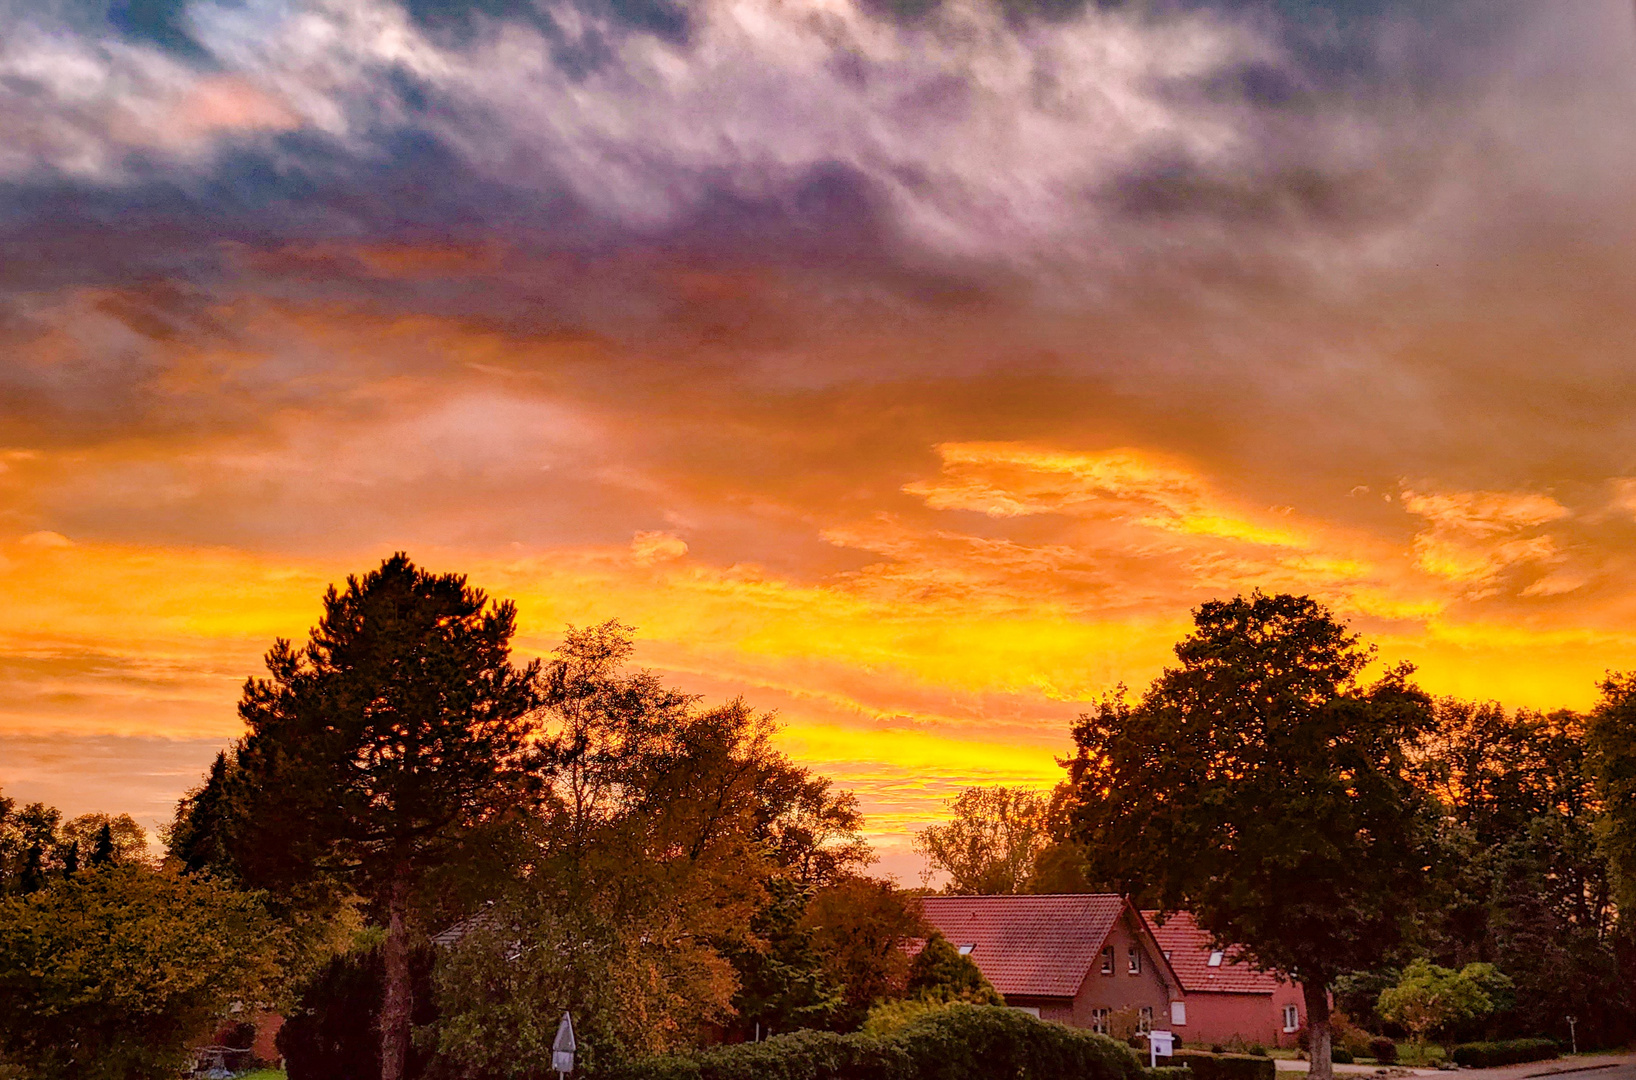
1077 958
1226 1001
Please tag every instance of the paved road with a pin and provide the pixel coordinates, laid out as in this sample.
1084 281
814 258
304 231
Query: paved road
1589 1067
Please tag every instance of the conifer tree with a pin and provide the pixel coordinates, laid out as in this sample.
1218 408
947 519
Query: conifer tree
374 752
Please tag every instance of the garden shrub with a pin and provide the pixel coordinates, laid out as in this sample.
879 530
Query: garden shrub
1485 1055
1226 1066
1383 1050
1168 1072
960 1042
1340 1055
890 1017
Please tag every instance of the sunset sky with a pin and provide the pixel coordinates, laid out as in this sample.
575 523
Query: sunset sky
909 367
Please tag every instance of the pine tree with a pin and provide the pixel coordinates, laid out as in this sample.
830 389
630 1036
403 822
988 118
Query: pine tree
376 749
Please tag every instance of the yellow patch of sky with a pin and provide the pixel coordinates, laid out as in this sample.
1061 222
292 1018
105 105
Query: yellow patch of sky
903 694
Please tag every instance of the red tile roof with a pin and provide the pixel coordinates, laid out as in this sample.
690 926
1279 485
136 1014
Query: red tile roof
1032 945
1189 949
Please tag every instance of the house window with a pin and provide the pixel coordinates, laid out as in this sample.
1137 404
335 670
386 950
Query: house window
965 950
1107 960
1292 1018
1215 958
1144 1021
1178 1014
1031 1010
1135 961
1099 1021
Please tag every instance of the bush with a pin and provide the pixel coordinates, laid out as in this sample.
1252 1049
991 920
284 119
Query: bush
1485 1055
1383 1050
1340 1055
1344 1035
1168 1072
1226 1066
960 1042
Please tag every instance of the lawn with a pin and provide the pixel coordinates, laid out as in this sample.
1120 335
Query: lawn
261 1074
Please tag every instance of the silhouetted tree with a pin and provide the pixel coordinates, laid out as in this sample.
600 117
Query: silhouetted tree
992 841
376 750
1260 786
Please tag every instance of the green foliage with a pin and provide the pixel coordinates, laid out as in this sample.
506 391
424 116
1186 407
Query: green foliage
31 850
1168 1072
939 973
1430 1000
889 1017
1261 786
958 1042
676 865
1226 1066
992 841
1488 1055
782 982
107 974
1520 876
1611 737
860 928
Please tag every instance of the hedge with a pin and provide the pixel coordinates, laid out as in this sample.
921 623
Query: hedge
1207 1066
1484 1055
962 1042
1168 1072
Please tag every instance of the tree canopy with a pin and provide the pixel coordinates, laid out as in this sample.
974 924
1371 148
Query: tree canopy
106 974
375 752
1261 786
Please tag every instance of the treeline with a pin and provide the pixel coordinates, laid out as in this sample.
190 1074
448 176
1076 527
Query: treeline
576 835
1491 837
422 853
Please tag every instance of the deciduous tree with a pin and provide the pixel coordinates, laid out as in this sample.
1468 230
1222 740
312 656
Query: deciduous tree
1261 786
1429 999
105 975
992 841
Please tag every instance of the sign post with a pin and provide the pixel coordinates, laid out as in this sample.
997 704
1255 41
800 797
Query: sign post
563 1047
1159 1044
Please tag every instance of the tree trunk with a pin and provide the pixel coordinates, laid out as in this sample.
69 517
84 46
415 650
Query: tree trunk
1318 1034
396 999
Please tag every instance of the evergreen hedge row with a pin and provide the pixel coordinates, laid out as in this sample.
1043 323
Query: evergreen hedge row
1486 1055
962 1042
1226 1066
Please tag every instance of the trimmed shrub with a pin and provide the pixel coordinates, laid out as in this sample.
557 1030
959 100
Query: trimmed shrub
1340 1055
1226 1066
1383 1050
961 1042
1168 1072
1486 1055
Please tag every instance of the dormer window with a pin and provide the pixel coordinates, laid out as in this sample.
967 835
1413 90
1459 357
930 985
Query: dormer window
1215 958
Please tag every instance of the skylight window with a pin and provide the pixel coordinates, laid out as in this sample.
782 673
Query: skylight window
965 950
1215 958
